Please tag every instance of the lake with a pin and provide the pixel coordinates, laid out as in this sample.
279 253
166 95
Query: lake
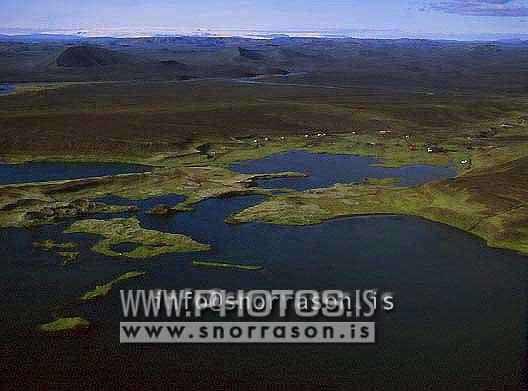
43 172
325 169
459 321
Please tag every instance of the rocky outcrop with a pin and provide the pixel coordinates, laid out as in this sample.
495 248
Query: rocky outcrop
160 209
73 209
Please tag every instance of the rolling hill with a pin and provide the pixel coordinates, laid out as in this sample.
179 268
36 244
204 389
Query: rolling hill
89 56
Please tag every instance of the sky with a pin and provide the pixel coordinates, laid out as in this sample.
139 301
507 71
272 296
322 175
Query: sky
376 18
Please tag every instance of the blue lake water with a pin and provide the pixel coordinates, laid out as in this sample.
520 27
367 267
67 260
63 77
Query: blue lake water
459 322
327 169
6 88
43 172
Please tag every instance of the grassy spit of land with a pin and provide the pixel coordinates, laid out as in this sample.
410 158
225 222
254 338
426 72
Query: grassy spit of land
64 324
150 243
102 290
226 265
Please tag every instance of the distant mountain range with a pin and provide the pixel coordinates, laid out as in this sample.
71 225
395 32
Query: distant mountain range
412 64
38 37
28 35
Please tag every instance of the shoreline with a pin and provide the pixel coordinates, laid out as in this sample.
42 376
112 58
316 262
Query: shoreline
456 202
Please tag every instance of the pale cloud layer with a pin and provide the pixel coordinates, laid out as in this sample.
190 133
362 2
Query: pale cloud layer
501 8
452 19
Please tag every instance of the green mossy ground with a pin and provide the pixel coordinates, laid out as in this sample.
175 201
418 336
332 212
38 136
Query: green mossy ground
488 197
150 243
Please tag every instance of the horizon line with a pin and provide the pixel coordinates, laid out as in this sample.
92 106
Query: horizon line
258 33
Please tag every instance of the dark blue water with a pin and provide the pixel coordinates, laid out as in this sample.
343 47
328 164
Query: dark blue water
6 88
43 172
459 324
124 247
324 170
459 319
